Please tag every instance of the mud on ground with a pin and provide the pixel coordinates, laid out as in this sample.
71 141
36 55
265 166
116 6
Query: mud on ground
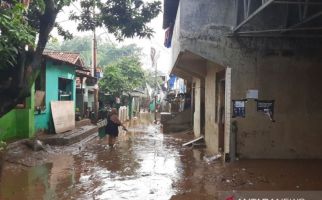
145 164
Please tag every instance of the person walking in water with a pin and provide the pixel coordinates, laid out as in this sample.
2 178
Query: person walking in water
112 130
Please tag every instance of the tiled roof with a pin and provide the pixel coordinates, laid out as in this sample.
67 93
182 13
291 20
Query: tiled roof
68 57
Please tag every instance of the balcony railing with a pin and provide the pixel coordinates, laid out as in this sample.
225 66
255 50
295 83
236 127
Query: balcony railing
302 18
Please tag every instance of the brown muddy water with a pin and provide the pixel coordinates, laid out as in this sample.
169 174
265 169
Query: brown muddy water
146 164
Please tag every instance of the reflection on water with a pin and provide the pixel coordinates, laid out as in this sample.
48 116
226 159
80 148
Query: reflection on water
39 182
141 167
144 165
149 165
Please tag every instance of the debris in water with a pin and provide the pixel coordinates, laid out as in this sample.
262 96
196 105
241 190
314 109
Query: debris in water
193 141
211 158
35 145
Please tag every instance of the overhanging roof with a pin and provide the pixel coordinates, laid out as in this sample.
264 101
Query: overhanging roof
189 65
169 12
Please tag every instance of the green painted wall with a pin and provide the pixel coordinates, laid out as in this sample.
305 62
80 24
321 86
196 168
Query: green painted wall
8 125
18 123
43 121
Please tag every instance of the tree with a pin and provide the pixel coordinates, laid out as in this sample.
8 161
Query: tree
149 77
14 32
125 75
107 52
123 18
76 44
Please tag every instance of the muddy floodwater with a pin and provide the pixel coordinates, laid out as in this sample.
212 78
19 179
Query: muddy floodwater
144 165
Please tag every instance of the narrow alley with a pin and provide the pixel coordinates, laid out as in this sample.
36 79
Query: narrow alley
161 100
147 164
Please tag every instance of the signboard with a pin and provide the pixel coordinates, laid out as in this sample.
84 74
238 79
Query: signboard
265 106
252 94
239 108
63 113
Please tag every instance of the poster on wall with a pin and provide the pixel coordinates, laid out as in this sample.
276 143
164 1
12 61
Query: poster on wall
267 107
239 108
252 94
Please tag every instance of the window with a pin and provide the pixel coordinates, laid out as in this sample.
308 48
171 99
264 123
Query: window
65 89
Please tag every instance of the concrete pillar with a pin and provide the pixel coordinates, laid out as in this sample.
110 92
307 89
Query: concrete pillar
197 108
227 110
211 126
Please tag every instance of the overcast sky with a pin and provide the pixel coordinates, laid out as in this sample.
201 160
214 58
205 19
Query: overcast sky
146 44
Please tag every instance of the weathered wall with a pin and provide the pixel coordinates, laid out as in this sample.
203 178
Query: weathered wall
195 15
53 72
211 127
180 122
285 70
295 84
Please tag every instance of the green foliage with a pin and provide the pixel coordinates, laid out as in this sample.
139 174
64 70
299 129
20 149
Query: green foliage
83 45
124 75
3 145
53 44
62 32
149 77
19 28
123 18
15 34
107 53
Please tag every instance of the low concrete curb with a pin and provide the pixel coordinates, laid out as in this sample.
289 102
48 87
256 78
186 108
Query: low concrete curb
70 137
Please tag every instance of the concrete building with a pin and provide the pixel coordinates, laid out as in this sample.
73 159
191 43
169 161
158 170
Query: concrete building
56 82
85 86
255 68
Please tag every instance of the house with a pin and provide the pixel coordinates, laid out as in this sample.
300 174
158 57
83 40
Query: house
56 82
85 91
254 68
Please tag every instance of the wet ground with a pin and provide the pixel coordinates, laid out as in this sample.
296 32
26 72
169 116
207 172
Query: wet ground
145 164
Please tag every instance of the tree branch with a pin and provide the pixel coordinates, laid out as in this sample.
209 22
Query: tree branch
26 73
47 22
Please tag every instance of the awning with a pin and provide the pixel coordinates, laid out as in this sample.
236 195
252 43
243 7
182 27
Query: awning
81 72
